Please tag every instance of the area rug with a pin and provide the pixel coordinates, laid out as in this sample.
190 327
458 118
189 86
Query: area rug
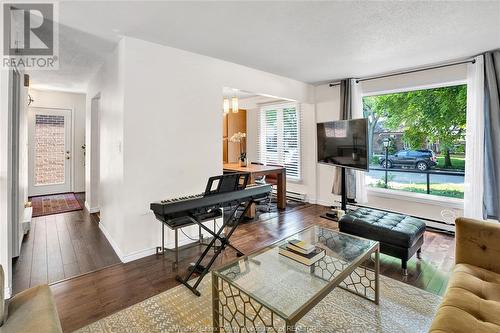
402 308
54 204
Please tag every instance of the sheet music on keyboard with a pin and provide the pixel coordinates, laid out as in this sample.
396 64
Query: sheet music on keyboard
216 185
229 192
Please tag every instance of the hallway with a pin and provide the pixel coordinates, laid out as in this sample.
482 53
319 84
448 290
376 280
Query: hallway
61 246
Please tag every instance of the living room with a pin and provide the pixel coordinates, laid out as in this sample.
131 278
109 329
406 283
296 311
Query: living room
386 258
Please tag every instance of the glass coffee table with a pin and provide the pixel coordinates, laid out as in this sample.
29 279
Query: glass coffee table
268 292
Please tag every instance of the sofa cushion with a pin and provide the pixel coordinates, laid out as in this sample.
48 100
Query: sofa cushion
32 310
471 303
478 243
390 228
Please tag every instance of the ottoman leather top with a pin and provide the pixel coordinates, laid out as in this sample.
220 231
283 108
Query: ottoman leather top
389 228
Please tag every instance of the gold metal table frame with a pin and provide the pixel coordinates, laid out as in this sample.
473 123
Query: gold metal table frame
238 310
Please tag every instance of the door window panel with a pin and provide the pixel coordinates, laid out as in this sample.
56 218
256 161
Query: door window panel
49 149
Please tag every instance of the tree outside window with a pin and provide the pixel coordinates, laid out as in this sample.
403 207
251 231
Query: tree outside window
419 121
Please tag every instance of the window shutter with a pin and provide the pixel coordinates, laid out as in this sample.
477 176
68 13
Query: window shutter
279 138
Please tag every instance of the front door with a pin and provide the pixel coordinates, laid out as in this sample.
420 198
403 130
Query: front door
49 157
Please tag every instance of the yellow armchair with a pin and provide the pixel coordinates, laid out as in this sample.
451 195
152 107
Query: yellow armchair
32 310
472 300
478 244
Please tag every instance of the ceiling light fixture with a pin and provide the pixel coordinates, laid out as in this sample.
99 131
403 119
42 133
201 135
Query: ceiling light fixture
234 103
226 105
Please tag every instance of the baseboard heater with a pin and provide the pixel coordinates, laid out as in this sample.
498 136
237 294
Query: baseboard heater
296 196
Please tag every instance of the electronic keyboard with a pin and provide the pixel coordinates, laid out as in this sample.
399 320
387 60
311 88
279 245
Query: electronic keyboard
225 191
172 210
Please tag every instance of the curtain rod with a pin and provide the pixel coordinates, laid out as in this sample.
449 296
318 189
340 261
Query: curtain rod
473 61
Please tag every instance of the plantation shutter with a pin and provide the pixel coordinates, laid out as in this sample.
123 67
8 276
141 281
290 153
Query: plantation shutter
279 138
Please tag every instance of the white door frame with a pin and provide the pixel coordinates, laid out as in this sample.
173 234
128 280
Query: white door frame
14 200
92 197
67 186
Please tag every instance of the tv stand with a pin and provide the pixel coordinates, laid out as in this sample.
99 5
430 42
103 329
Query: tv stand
343 191
343 195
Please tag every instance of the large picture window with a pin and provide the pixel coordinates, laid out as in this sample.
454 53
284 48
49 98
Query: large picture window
418 140
279 138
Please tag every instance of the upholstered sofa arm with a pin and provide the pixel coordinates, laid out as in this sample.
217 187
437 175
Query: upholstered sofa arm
478 243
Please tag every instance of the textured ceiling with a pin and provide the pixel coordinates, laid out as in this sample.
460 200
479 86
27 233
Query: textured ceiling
308 41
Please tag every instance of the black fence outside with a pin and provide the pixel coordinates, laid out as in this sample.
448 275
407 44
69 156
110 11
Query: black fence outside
427 172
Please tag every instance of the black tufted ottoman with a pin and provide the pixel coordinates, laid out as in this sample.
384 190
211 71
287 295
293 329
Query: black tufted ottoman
399 235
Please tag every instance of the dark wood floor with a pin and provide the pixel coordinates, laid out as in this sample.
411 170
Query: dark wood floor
85 299
59 247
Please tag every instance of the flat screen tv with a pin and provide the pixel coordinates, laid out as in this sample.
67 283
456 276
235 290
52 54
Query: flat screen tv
344 143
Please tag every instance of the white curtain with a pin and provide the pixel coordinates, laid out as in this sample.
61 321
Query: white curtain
357 112
474 140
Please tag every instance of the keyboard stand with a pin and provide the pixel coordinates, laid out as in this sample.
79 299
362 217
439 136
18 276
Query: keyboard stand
231 223
161 250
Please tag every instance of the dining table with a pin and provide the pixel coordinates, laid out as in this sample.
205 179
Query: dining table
257 171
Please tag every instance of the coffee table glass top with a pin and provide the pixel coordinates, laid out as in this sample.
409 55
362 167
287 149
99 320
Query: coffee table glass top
285 285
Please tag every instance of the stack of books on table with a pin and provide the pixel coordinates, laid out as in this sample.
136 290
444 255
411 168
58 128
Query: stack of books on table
301 251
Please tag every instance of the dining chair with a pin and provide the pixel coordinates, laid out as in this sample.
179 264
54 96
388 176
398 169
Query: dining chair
261 179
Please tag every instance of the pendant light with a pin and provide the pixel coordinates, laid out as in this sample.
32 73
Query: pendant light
226 105
234 103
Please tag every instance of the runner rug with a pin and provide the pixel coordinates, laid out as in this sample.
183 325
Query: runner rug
54 204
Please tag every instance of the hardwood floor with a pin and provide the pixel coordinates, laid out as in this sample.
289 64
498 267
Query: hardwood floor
61 246
85 299
80 196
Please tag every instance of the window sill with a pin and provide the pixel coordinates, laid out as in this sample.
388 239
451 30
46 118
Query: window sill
294 180
417 197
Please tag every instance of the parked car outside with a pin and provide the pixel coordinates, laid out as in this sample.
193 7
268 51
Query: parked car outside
421 159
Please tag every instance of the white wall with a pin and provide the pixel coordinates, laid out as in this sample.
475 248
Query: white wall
252 135
108 82
328 108
92 203
76 103
23 158
5 226
6 232
163 107
420 80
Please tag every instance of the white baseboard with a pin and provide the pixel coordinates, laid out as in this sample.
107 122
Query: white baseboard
91 209
446 227
111 240
150 251
323 203
137 254
7 293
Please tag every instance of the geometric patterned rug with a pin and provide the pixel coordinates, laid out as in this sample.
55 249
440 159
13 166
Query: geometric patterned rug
402 308
54 204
